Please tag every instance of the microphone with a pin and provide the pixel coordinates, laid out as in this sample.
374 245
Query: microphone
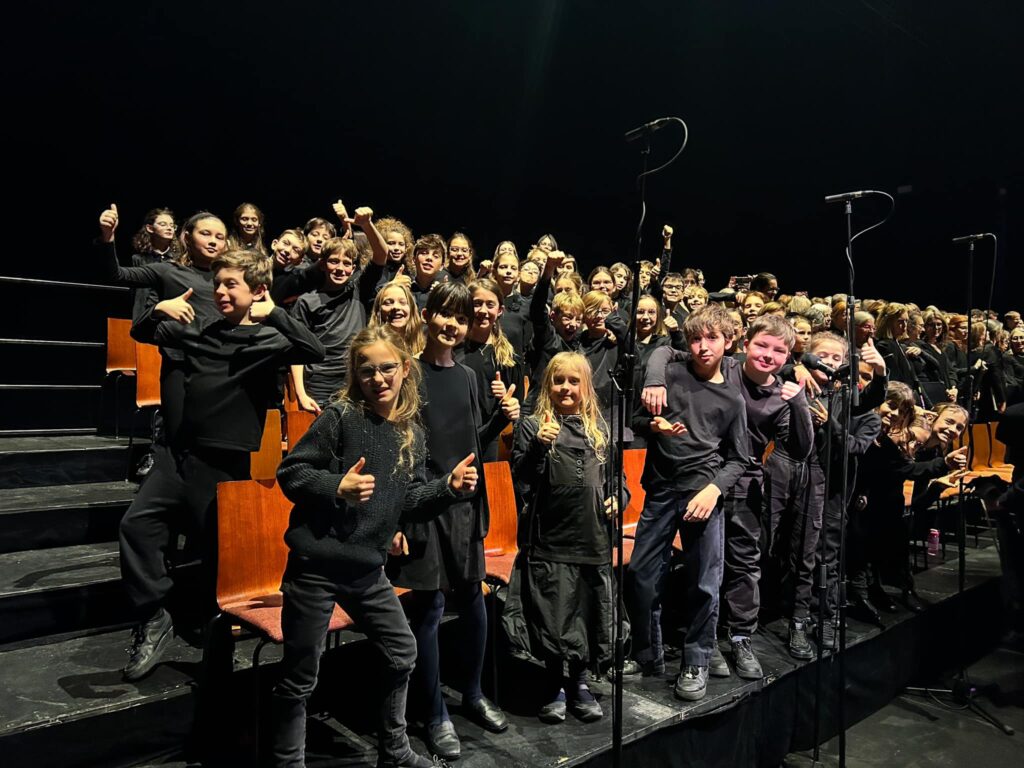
842 198
816 365
647 128
970 238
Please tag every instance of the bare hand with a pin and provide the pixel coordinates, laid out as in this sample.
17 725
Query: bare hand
662 426
654 399
260 309
870 355
108 223
549 429
401 278
951 480
555 259
804 377
399 545
957 459
666 234
178 308
498 387
703 504
483 268
819 413
791 390
355 487
913 351
307 403
463 478
363 217
610 507
671 324
510 405
952 393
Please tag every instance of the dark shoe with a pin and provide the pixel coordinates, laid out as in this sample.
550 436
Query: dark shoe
913 602
487 715
861 609
145 466
692 683
412 760
743 656
149 642
827 635
632 667
443 741
585 707
554 711
881 600
717 665
799 646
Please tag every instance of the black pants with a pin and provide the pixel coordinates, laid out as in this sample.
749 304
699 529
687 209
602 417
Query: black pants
180 493
310 592
835 518
741 596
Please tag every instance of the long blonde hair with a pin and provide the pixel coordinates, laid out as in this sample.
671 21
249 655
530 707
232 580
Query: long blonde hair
405 415
412 333
504 352
594 425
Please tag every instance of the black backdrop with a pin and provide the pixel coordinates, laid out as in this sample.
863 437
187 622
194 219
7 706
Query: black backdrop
506 120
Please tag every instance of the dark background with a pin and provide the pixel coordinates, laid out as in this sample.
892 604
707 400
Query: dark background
506 120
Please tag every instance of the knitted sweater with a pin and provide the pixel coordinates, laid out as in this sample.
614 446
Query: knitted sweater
326 528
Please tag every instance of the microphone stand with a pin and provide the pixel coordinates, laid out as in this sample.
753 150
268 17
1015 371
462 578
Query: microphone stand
963 692
623 378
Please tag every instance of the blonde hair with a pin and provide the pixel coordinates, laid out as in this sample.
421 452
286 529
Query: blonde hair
594 426
887 318
568 303
412 334
405 416
504 352
257 270
391 224
594 299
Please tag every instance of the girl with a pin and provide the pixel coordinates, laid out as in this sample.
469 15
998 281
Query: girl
559 462
359 466
317 231
529 274
395 307
752 305
622 293
461 256
547 243
490 354
447 552
399 241
599 345
601 279
247 230
651 333
803 329
515 316
153 243
694 297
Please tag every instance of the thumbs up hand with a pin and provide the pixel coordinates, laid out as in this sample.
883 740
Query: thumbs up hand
510 405
178 308
498 387
355 487
108 223
464 477
549 429
401 278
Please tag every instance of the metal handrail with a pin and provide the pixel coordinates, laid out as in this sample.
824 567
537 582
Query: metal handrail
53 343
61 283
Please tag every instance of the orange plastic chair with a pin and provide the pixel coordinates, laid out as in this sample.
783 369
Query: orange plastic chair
147 389
120 360
291 402
296 424
500 546
264 462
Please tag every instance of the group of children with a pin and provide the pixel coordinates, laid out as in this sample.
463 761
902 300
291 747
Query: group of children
412 353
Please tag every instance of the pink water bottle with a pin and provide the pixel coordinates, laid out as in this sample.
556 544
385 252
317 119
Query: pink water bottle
933 542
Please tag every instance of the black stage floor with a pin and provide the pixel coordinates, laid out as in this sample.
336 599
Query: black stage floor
739 723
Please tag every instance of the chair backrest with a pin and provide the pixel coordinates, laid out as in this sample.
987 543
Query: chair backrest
147 382
120 345
296 424
998 457
252 517
264 462
501 498
633 465
981 446
291 402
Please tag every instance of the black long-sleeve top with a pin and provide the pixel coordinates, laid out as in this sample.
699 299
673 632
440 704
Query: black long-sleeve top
323 527
230 373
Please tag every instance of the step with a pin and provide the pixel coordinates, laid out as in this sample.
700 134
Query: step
49 406
63 703
48 591
62 515
49 460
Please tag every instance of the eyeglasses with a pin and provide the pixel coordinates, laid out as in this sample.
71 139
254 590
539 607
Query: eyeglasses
600 312
369 372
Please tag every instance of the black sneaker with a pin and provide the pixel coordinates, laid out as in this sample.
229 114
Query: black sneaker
717 665
692 683
412 760
149 641
632 668
145 466
827 635
554 711
747 665
584 706
799 646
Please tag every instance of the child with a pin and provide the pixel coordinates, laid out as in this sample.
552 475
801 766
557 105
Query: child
334 313
427 256
230 374
461 256
395 307
489 353
288 248
447 553
351 475
560 463
317 231
600 345
515 317
696 451
247 230
399 243
776 411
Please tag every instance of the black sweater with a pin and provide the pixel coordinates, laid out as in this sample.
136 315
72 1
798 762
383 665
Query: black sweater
323 527
230 373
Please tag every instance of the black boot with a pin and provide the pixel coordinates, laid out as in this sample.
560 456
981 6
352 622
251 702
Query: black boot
861 609
148 645
913 602
880 598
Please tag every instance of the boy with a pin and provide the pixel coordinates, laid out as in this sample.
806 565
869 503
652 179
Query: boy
428 254
696 451
230 369
288 250
776 411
